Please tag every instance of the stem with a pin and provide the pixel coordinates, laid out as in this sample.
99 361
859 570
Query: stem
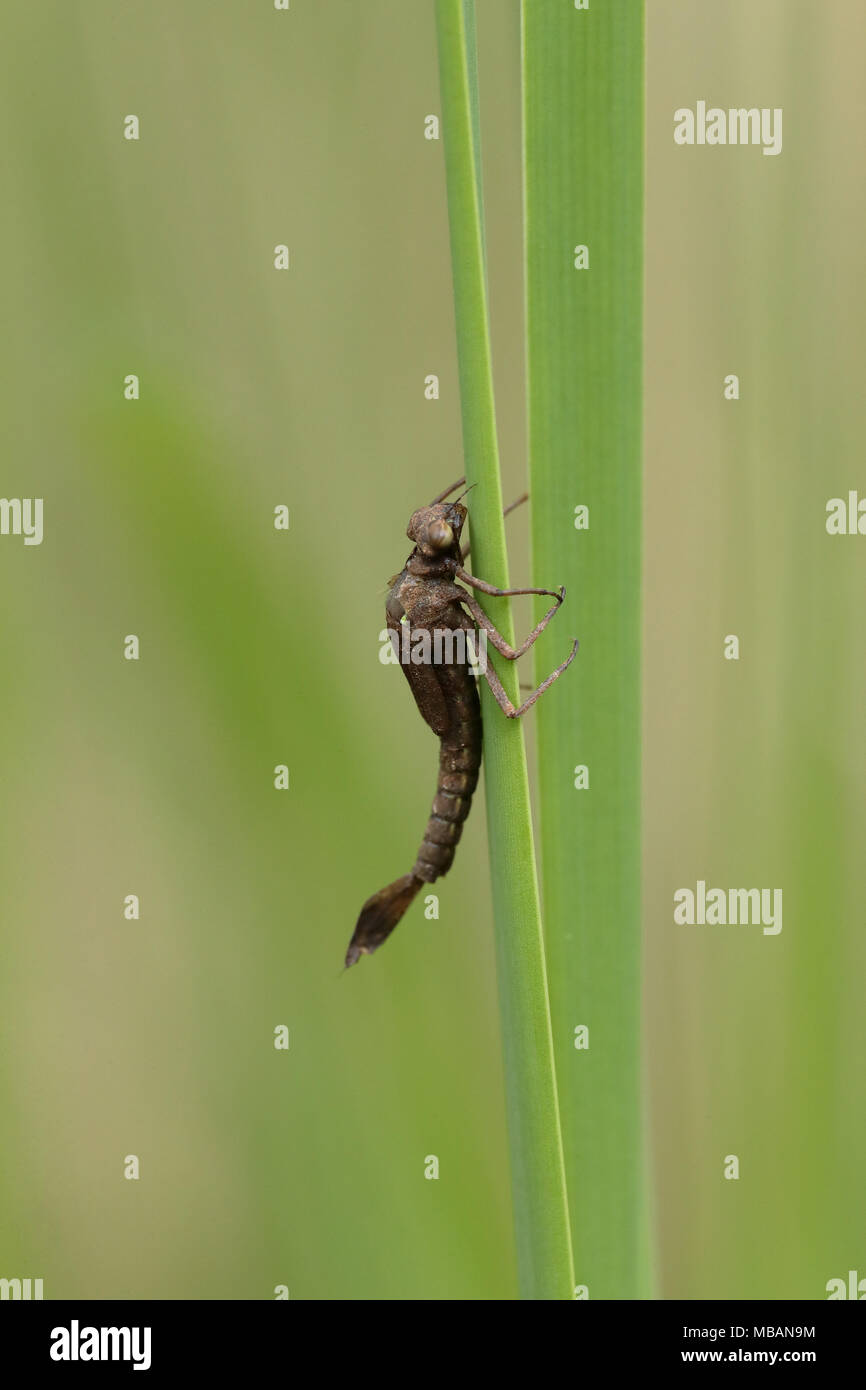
537 1170
583 185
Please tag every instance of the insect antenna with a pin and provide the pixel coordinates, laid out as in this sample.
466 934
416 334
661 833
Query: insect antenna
464 492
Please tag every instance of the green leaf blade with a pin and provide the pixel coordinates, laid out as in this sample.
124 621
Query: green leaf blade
537 1175
583 186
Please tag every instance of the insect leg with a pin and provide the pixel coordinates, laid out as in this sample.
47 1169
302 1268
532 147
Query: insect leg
501 697
499 642
518 502
486 588
448 491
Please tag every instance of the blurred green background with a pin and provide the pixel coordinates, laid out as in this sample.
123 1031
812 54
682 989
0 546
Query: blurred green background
258 647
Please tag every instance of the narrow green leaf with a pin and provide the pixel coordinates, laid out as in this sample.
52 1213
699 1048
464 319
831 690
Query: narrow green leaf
583 173
541 1218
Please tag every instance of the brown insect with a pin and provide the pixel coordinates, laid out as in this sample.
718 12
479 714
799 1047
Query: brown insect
427 594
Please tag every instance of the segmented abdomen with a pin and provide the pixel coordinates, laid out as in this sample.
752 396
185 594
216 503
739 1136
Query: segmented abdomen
459 761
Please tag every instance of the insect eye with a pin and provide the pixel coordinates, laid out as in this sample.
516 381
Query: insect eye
440 535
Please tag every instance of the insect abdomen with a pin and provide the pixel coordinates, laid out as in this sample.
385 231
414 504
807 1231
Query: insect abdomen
459 761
